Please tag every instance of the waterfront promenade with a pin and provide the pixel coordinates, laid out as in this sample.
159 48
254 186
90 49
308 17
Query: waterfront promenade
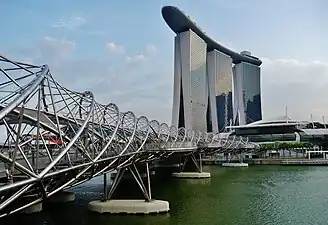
272 161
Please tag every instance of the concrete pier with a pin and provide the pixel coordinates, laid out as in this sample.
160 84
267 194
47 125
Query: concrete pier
129 206
192 175
235 164
32 209
62 197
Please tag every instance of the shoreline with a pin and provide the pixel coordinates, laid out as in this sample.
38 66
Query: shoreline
275 161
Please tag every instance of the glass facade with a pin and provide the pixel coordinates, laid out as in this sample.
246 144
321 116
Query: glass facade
209 94
247 97
270 137
219 72
190 96
198 82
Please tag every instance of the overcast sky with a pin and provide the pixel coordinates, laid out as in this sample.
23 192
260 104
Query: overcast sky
123 51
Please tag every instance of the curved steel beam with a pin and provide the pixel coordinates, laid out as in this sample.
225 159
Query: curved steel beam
180 22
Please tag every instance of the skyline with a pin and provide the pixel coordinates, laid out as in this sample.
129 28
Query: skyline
130 66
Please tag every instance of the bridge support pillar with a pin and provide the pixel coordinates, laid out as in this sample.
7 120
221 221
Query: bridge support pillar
235 160
62 197
191 169
130 206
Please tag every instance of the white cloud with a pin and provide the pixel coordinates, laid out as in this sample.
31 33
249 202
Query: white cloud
114 48
130 87
48 50
73 22
150 51
302 86
61 48
136 59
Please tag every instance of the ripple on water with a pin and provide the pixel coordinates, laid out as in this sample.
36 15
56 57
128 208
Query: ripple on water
256 195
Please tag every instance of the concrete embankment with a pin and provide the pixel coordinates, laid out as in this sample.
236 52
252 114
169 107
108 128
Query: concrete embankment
265 161
289 162
275 161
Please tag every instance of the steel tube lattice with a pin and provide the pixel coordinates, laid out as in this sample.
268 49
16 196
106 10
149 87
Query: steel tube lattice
55 138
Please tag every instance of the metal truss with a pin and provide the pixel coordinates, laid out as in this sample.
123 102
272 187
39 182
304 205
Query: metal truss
145 188
195 159
54 138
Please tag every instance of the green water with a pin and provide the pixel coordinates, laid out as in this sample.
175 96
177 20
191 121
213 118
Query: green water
255 195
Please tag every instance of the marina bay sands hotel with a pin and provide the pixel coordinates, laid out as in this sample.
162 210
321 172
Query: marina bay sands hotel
214 87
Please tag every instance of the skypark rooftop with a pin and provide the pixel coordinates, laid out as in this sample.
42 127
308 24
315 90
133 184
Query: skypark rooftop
180 22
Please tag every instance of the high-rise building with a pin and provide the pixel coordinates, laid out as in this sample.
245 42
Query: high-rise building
206 98
219 73
189 94
247 93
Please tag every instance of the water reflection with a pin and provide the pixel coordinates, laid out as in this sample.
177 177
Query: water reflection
254 195
198 181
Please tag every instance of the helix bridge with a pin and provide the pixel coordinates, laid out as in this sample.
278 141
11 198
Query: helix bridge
53 138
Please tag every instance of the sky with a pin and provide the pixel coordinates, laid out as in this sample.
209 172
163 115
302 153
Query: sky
122 50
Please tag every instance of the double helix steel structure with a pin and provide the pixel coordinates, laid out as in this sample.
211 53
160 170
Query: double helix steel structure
53 138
